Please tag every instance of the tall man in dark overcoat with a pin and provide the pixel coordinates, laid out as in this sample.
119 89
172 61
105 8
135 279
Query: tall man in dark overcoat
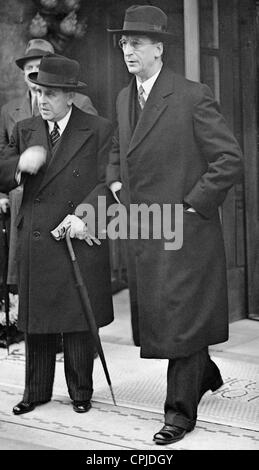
60 157
173 147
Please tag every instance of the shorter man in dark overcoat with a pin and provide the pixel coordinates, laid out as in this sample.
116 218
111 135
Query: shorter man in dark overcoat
19 108
60 157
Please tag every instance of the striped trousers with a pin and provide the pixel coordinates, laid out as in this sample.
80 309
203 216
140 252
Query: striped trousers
40 360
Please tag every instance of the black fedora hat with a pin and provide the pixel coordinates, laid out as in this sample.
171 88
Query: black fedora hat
59 72
145 19
35 49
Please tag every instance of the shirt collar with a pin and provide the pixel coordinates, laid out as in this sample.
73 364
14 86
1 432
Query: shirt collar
62 123
148 84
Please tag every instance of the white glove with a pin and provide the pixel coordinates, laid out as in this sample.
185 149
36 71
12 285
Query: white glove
77 229
4 204
114 187
32 159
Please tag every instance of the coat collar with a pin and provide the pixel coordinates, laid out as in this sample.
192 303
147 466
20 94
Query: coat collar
156 104
76 133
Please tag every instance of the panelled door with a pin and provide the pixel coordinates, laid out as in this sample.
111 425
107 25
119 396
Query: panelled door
220 67
249 49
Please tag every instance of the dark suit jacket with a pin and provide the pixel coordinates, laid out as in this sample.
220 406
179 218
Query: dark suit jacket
48 296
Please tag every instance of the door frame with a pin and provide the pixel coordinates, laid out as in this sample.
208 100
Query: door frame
248 42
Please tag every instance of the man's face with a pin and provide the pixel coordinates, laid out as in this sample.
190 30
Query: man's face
54 103
31 66
141 55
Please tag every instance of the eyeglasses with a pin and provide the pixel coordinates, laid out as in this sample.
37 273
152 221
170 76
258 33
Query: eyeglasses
136 44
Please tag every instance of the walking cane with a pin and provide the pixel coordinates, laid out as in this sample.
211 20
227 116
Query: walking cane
5 285
88 311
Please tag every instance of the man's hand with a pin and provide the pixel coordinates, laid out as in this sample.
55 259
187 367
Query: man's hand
4 204
32 159
77 229
115 187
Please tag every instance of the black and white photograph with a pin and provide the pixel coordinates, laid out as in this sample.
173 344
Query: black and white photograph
129 230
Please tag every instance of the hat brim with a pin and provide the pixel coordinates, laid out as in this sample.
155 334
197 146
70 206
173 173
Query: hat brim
33 78
168 37
20 62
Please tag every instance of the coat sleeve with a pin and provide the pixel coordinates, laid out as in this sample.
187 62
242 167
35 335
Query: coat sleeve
8 164
221 151
4 140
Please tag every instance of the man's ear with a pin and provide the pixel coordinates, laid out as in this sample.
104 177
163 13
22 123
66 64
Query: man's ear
70 97
160 49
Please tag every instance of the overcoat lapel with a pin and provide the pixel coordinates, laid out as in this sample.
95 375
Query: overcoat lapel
156 104
126 112
73 137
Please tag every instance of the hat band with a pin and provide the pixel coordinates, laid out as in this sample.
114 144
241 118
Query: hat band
35 52
50 77
138 26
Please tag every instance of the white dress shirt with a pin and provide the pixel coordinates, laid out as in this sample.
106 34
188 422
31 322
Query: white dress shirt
148 84
62 123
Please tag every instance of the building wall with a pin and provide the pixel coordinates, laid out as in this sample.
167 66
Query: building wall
15 16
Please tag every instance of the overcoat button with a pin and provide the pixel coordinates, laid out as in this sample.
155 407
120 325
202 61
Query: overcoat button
37 200
76 172
36 234
71 204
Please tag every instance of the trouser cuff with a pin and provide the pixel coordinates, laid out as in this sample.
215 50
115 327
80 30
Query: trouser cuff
177 419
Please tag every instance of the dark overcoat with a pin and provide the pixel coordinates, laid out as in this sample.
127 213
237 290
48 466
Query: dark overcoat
49 301
181 150
14 111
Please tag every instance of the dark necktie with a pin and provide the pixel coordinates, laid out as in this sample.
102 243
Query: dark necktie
54 135
141 98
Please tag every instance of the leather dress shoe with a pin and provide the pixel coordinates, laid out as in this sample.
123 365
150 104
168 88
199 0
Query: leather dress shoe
81 406
26 406
169 434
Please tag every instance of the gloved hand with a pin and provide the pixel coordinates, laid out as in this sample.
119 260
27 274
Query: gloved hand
32 159
77 229
4 204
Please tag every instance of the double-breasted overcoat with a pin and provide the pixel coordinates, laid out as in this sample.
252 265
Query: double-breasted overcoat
12 112
181 150
49 301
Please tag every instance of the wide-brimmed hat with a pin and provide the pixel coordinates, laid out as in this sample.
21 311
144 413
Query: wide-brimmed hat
59 72
145 19
35 49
